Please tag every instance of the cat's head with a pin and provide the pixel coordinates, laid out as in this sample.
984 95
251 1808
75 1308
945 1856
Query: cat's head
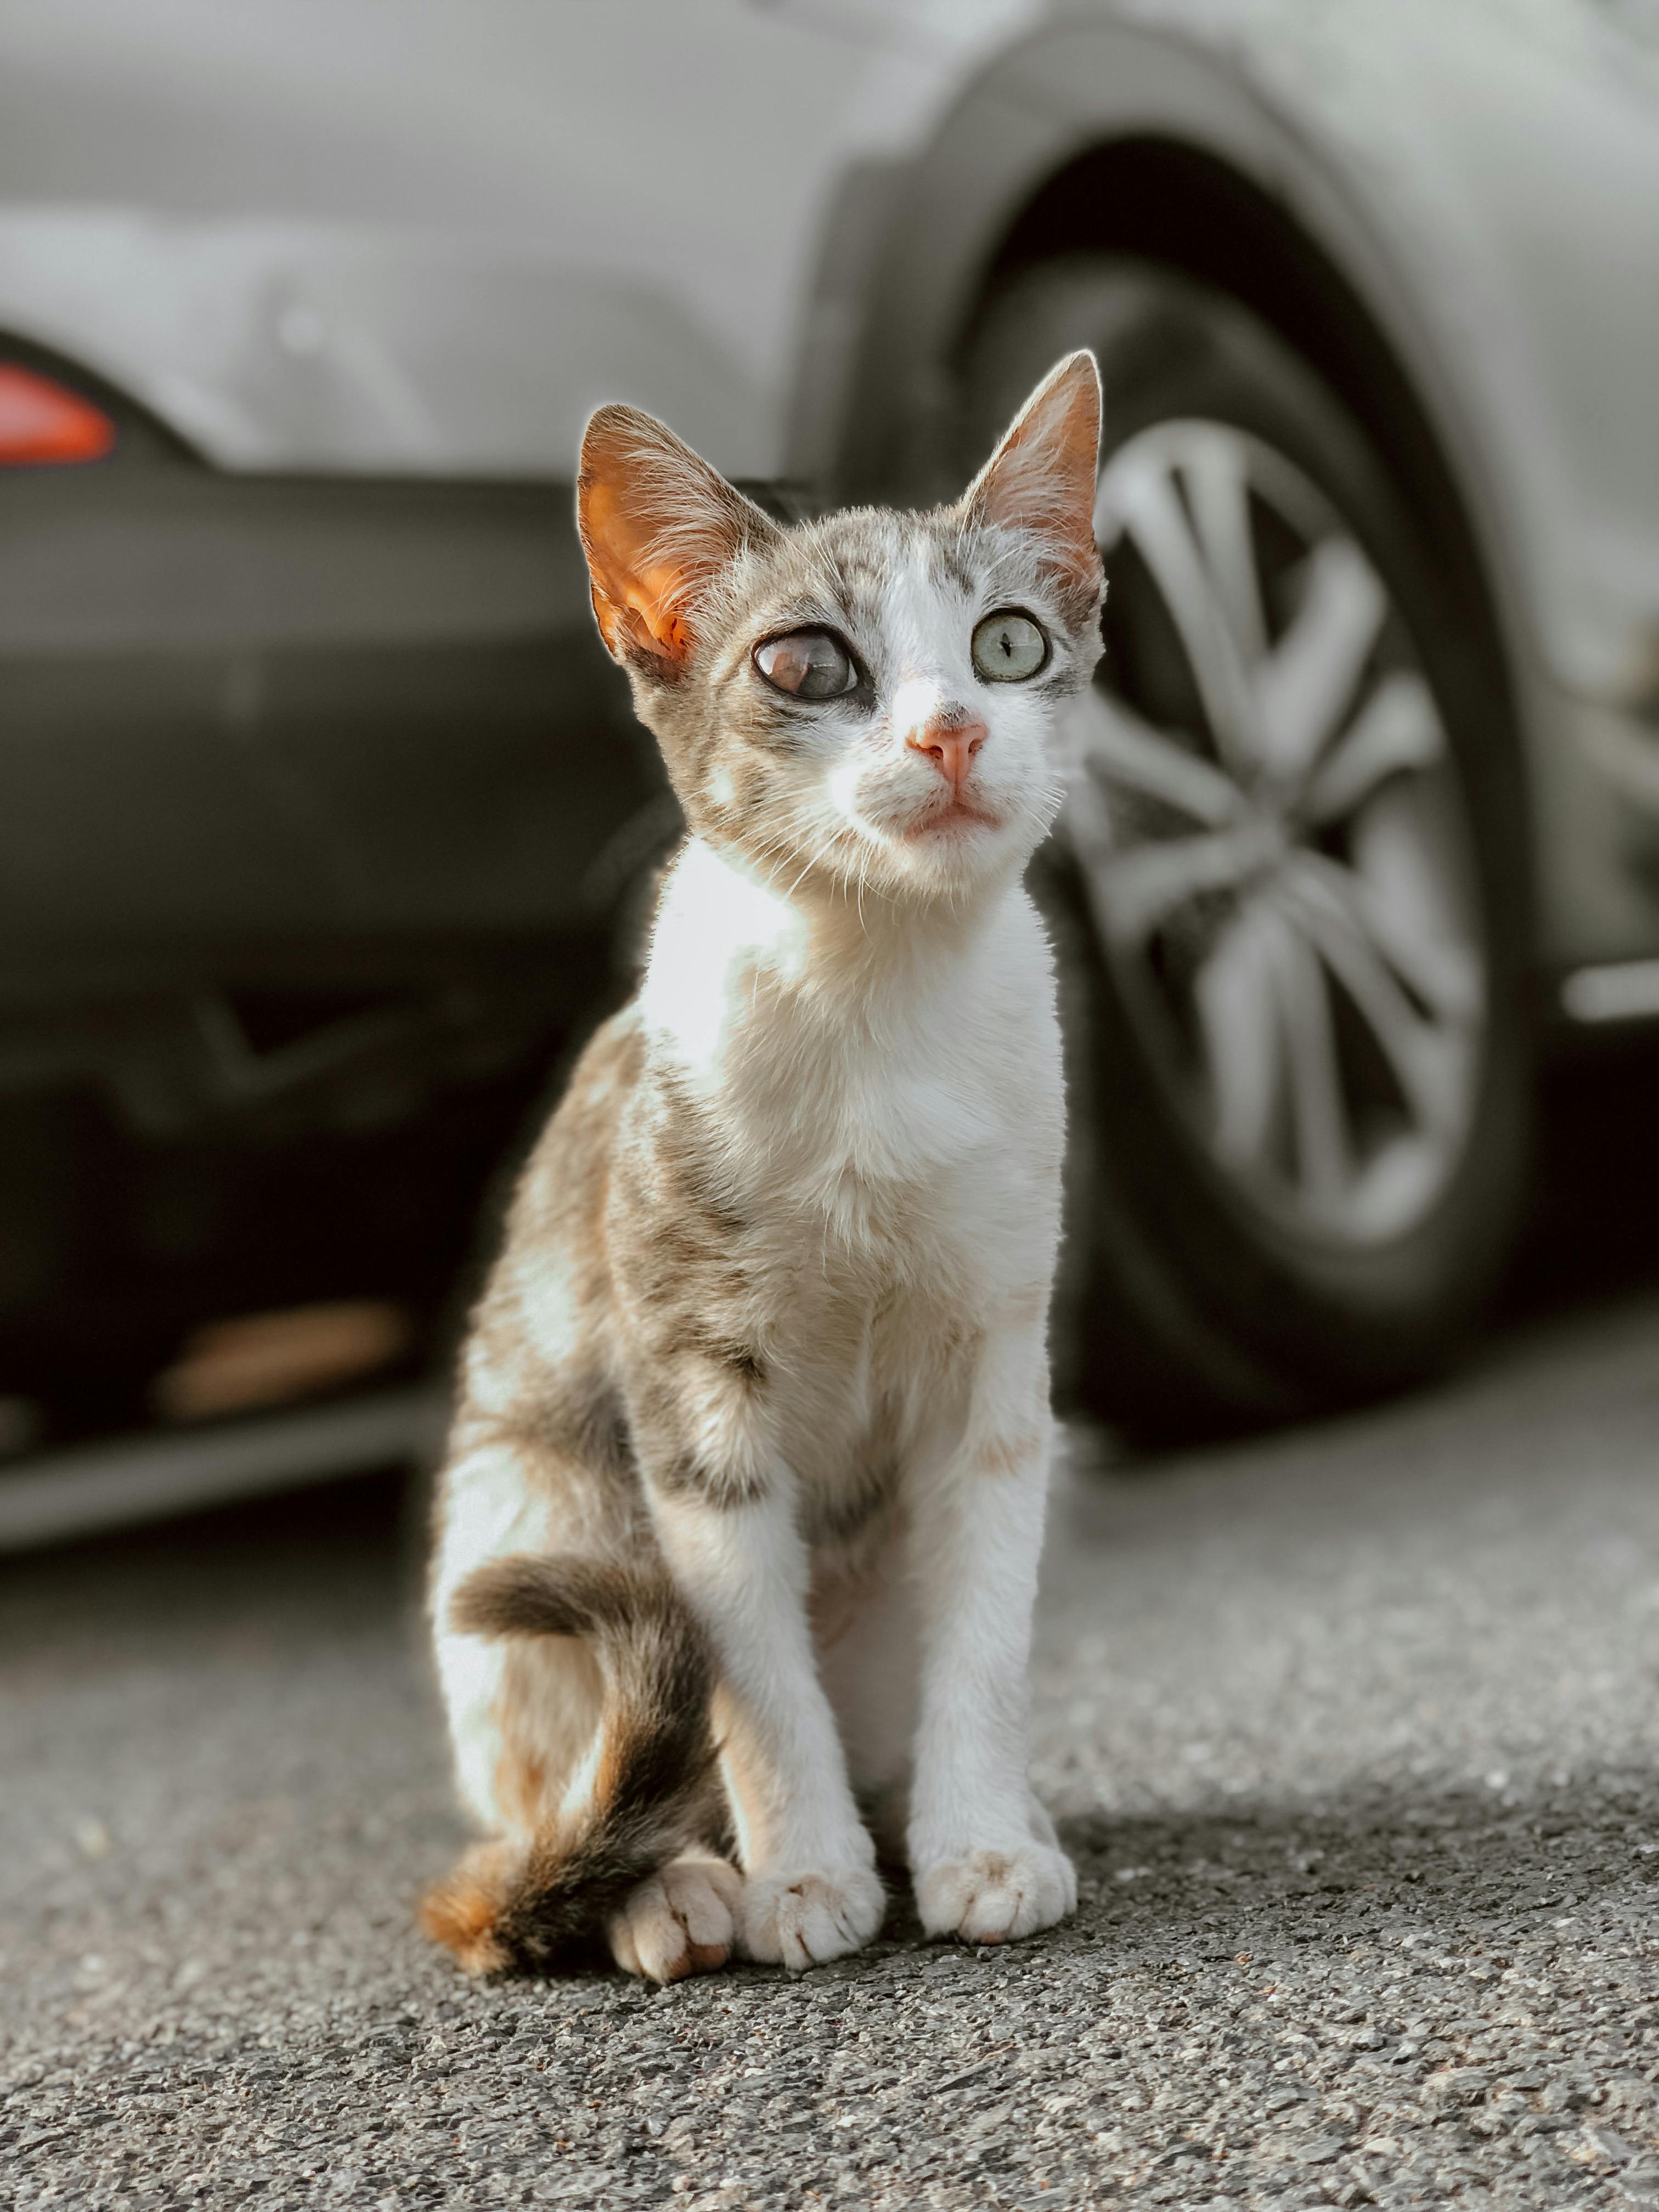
870 699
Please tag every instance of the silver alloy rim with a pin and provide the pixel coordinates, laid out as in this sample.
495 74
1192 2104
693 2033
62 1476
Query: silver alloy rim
1280 872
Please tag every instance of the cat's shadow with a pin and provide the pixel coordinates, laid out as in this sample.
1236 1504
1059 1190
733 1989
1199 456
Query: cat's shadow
1460 1870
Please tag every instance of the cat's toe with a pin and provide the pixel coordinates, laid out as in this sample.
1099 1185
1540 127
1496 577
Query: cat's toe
682 1921
798 1920
997 1897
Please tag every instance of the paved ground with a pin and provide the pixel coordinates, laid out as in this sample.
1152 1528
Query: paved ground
1353 1733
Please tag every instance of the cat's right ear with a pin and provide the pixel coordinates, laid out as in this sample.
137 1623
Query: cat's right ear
658 526
1041 479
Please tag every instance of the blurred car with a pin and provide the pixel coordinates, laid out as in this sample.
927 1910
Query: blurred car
323 815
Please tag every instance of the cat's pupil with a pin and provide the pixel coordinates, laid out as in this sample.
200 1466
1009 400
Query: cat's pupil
807 664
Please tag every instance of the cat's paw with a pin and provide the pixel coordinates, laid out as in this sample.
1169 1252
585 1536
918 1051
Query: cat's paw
997 1897
797 1920
682 1921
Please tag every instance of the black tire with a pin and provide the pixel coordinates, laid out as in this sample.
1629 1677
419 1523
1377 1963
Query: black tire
1187 1305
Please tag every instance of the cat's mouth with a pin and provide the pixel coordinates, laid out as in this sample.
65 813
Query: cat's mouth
953 816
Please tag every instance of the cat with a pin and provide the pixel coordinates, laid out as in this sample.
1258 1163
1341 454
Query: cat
736 1540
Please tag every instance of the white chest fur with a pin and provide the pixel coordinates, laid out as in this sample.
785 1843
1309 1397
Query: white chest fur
882 1071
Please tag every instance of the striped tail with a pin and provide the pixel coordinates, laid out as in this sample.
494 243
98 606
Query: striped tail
509 1910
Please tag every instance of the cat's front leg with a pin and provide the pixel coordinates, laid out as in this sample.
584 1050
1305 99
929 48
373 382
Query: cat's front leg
984 1859
811 1891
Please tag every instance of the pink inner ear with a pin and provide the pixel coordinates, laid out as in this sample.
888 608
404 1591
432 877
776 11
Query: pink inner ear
657 524
1041 479
636 597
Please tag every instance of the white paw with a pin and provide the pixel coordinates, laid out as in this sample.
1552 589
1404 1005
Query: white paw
1042 1824
797 1920
682 1921
997 1897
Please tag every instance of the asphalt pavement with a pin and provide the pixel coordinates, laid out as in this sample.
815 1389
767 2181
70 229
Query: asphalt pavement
1352 1731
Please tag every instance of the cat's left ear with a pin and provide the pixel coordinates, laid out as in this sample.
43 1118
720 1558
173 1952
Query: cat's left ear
658 525
1041 479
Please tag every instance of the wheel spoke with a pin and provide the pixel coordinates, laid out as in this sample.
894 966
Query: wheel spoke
1145 498
1126 752
1444 973
1139 888
1396 729
1306 682
1324 1148
1217 490
1235 998
1424 1061
1409 893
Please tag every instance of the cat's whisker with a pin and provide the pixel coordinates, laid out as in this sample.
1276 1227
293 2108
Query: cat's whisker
813 861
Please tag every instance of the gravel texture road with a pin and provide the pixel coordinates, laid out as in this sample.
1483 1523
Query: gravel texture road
1352 1732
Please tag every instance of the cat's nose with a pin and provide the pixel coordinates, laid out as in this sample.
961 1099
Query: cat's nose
950 744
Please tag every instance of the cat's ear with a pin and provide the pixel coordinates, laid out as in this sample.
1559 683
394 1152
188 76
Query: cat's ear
658 525
1041 479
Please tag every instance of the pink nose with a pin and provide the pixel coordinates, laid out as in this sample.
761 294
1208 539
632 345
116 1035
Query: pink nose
951 746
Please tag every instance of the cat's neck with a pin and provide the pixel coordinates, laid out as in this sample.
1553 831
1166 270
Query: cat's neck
729 946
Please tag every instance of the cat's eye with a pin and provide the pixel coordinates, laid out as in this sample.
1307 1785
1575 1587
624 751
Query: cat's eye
1009 646
807 664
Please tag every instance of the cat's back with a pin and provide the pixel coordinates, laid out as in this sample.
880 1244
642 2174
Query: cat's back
562 1190
547 1302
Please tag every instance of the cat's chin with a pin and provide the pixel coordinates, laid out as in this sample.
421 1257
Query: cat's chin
949 850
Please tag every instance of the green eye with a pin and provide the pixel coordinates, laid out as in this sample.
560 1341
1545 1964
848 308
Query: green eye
807 664
1009 646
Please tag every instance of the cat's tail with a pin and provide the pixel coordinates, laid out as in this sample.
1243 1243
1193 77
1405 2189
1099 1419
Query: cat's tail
641 1796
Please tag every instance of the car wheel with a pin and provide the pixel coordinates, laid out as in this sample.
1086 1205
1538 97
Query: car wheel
1287 884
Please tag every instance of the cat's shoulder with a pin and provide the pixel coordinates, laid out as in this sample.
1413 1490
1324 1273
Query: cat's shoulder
607 1070
565 1167
1020 954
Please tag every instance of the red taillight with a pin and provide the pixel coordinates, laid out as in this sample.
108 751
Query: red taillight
44 425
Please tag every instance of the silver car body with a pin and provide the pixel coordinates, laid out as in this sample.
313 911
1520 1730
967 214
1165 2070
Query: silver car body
425 237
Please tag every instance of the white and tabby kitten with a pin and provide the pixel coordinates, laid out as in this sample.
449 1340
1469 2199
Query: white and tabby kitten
738 1539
